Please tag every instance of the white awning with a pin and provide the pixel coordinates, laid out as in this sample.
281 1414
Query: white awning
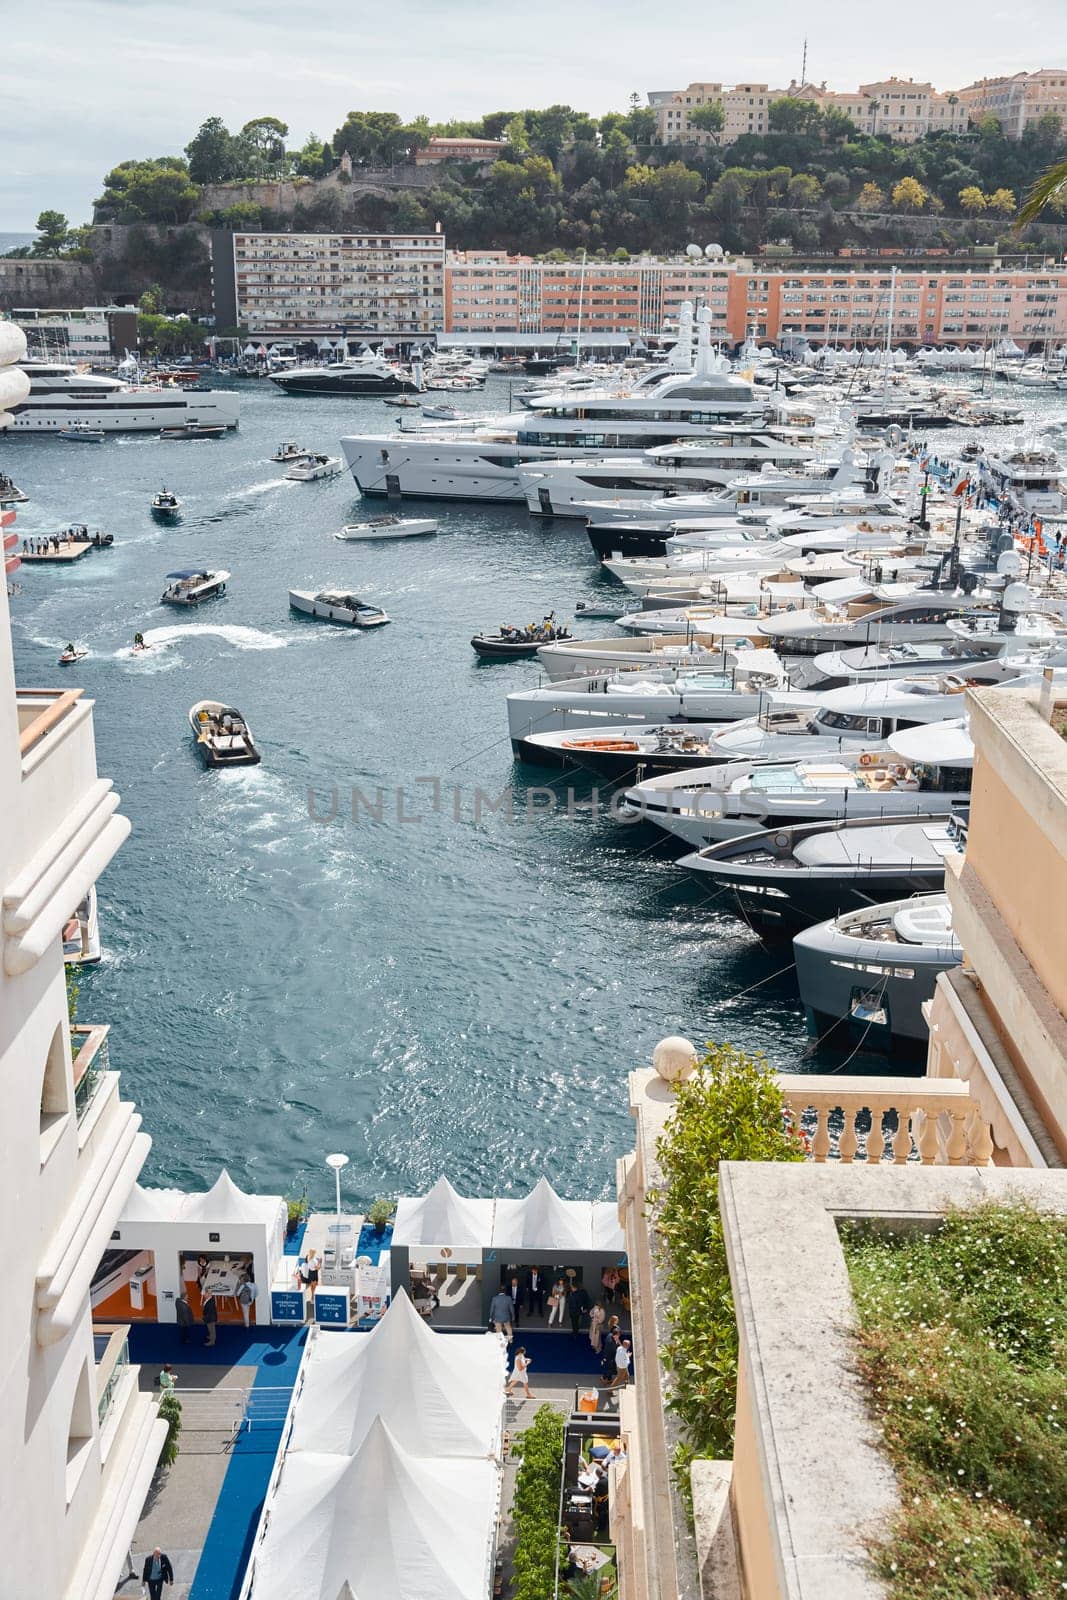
542 1220
444 1217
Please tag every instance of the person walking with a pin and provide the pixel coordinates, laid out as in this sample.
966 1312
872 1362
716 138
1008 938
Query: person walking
156 1572
209 1316
597 1317
520 1373
622 1365
577 1306
183 1313
502 1314
246 1298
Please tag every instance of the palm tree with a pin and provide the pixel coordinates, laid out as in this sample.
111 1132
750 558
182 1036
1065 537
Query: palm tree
1052 185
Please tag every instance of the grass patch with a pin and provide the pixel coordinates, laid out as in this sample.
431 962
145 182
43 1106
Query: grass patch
963 1344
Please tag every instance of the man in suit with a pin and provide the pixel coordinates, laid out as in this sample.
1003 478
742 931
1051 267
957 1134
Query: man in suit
183 1312
209 1315
535 1292
157 1571
578 1304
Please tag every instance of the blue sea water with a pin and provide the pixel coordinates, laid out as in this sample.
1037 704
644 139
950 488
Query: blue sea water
430 991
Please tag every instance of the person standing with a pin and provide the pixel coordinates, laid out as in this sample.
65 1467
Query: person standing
557 1302
183 1313
577 1306
209 1316
520 1373
514 1289
535 1292
502 1314
246 1297
156 1572
596 1323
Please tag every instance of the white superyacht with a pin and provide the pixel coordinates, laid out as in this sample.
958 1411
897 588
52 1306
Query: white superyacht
62 397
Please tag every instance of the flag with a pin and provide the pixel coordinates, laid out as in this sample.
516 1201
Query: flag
961 486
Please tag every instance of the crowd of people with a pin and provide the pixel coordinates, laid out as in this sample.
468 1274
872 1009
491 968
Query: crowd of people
565 1296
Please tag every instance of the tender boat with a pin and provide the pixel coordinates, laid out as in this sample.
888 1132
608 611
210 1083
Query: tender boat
599 610
190 586
388 528
10 493
337 605
166 504
784 879
81 934
72 653
876 967
78 434
314 466
194 430
223 737
518 642
289 450
405 401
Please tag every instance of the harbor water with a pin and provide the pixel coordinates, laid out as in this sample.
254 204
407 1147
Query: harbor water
453 968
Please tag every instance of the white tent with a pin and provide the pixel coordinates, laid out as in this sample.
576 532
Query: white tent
444 1217
387 1525
543 1221
607 1230
441 1396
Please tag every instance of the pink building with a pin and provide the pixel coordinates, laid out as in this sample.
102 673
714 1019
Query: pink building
459 150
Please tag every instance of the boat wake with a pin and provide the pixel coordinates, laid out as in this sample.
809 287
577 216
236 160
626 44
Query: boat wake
240 638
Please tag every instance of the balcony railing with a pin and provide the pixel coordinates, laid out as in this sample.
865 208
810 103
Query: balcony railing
935 1121
112 1363
91 1061
39 711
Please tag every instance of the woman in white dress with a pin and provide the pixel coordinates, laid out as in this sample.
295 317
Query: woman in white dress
520 1373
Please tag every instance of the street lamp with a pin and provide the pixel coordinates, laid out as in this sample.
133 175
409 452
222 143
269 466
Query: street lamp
337 1162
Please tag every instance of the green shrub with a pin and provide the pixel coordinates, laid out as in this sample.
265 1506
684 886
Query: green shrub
535 1510
170 1409
731 1109
380 1214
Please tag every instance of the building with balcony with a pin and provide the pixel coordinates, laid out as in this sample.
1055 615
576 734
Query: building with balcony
80 1442
471 149
300 285
1019 100
98 335
898 108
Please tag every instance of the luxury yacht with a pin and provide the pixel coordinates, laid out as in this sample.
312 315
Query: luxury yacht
362 374
877 967
61 398
925 768
784 879
1030 476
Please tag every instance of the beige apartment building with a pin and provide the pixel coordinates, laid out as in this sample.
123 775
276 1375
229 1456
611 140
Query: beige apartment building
1018 101
787 1517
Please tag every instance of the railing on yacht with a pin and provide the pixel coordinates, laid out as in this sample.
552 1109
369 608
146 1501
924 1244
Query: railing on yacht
935 1121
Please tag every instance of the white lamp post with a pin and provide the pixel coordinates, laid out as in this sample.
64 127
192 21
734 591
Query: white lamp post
337 1162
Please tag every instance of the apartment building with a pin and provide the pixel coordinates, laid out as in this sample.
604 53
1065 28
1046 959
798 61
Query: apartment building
744 106
898 107
94 334
299 285
79 1439
1019 100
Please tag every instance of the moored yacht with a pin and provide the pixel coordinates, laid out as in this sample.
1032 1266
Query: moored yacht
1031 477
61 397
362 374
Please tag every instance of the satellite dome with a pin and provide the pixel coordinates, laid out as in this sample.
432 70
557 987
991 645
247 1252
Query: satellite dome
713 252
1009 563
693 250
1017 597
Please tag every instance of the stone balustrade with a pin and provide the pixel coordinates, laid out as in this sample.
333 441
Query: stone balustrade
935 1121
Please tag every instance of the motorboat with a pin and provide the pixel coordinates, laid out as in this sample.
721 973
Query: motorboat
61 397
194 430
81 433
786 878
165 504
876 967
314 466
81 933
440 413
289 450
223 737
406 402
1030 477
571 658
518 643
388 528
192 585
599 610
10 493
926 768
337 605
365 373
71 654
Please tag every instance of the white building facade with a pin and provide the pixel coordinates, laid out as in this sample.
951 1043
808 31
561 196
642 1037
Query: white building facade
79 1442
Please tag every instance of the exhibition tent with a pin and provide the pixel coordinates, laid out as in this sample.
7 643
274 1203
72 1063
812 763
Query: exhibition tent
444 1217
541 1220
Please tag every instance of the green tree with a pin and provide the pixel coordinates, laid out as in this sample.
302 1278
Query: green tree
639 125
837 126
308 159
909 195
156 190
152 302
266 137
53 231
804 190
710 118
214 156
517 135
787 115
972 200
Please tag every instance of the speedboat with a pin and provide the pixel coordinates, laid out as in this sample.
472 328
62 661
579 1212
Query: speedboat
77 434
518 642
72 653
388 528
81 933
166 504
599 610
785 879
194 430
314 466
189 587
926 768
623 754
337 605
405 401
876 967
10 493
289 450
223 737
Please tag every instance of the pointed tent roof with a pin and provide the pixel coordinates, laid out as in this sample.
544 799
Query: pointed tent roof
542 1220
152 1205
387 1525
440 1396
225 1202
443 1217
607 1230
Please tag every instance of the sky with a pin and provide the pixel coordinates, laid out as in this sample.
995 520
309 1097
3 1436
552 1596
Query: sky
85 84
